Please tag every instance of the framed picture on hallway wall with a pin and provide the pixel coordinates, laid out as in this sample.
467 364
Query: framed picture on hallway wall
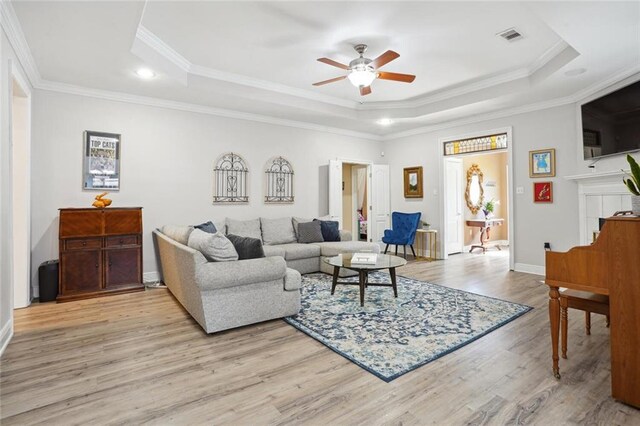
542 163
101 168
413 182
543 192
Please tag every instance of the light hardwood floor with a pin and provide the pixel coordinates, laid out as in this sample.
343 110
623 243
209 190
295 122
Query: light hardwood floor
139 358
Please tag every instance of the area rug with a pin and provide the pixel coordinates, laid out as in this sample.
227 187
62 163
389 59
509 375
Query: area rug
390 337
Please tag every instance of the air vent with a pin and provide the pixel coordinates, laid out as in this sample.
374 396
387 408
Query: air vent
510 35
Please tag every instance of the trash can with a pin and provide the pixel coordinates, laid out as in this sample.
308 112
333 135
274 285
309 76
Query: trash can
48 280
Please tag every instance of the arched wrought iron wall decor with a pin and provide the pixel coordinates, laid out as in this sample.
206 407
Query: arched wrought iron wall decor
279 181
230 179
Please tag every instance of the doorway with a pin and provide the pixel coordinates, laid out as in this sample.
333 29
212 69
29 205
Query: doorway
477 193
20 119
355 202
375 195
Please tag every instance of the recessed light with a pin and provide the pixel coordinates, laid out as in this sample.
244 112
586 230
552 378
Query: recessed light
145 73
574 72
384 121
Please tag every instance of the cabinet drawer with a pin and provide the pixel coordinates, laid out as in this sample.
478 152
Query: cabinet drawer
84 243
123 240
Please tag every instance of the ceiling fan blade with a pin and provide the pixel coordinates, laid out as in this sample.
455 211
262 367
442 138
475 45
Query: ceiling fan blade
320 83
334 63
365 90
405 78
385 58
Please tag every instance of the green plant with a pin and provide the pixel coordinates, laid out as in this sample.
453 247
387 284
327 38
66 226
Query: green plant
633 181
489 206
424 224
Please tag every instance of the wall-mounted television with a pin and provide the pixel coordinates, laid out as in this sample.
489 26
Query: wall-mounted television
611 124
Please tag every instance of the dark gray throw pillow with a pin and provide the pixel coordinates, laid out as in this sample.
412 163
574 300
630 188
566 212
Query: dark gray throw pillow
330 229
247 247
207 227
310 232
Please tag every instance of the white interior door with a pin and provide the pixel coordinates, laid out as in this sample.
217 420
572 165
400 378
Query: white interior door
380 210
453 205
335 191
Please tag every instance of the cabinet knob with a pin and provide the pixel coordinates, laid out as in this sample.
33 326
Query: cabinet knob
97 266
84 243
110 264
121 241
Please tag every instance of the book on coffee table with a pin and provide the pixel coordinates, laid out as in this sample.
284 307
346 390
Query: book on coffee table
364 258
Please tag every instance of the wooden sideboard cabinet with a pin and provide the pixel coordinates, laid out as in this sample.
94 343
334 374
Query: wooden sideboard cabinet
100 252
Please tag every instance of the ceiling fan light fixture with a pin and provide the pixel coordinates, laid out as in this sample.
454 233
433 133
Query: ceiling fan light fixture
362 78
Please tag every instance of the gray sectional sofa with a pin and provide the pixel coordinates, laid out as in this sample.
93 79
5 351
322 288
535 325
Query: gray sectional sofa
223 295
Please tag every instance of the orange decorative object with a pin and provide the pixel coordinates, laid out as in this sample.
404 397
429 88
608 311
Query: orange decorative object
100 202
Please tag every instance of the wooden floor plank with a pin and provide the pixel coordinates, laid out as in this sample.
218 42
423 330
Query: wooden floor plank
141 359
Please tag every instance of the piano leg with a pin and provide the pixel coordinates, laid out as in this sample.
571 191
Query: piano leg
554 319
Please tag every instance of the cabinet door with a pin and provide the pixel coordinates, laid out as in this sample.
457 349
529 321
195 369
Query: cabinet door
123 267
80 272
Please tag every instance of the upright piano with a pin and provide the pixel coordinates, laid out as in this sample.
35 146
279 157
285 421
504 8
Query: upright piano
610 266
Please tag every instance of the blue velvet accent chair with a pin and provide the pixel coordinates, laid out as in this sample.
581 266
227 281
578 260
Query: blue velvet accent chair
403 233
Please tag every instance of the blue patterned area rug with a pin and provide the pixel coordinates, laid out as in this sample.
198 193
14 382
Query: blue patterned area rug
390 337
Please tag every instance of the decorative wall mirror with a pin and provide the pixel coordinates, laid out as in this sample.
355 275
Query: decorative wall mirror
475 191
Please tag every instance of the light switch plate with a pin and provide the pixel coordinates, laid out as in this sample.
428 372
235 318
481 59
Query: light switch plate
520 190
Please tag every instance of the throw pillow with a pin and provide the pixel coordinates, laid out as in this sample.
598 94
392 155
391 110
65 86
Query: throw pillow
277 231
244 228
247 248
178 233
310 232
215 247
297 221
330 230
208 227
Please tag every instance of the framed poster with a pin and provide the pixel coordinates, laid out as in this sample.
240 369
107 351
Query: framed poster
101 168
413 182
543 192
542 163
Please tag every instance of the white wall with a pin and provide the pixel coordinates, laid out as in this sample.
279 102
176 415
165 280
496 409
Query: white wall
167 162
535 224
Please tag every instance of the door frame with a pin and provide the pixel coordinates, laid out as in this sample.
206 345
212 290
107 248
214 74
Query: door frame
15 74
510 186
369 165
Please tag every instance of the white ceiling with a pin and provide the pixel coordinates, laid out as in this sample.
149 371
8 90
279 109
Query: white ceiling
260 57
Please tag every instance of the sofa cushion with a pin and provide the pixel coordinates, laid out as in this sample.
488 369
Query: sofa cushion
208 227
247 247
296 251
334 248
292 280
277 231
273 251
310 232
244 228
215 247
330 230
178 233
297 221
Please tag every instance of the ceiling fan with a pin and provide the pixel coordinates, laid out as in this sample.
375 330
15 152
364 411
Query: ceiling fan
362 71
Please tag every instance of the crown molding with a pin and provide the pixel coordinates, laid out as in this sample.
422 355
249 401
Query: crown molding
578 97
13 30
52 86
150 39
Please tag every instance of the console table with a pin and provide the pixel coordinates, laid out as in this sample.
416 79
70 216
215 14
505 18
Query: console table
100 252
485 232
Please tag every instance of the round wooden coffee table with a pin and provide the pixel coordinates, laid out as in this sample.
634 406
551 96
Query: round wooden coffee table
383 261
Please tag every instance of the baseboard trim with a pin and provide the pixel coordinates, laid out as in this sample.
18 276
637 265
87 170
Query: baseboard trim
5 335
530 269
151 277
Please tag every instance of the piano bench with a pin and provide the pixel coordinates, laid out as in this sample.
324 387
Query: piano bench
584 301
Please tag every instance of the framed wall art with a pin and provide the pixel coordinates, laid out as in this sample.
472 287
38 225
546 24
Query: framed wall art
542 163
413 182
543 192
101 168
